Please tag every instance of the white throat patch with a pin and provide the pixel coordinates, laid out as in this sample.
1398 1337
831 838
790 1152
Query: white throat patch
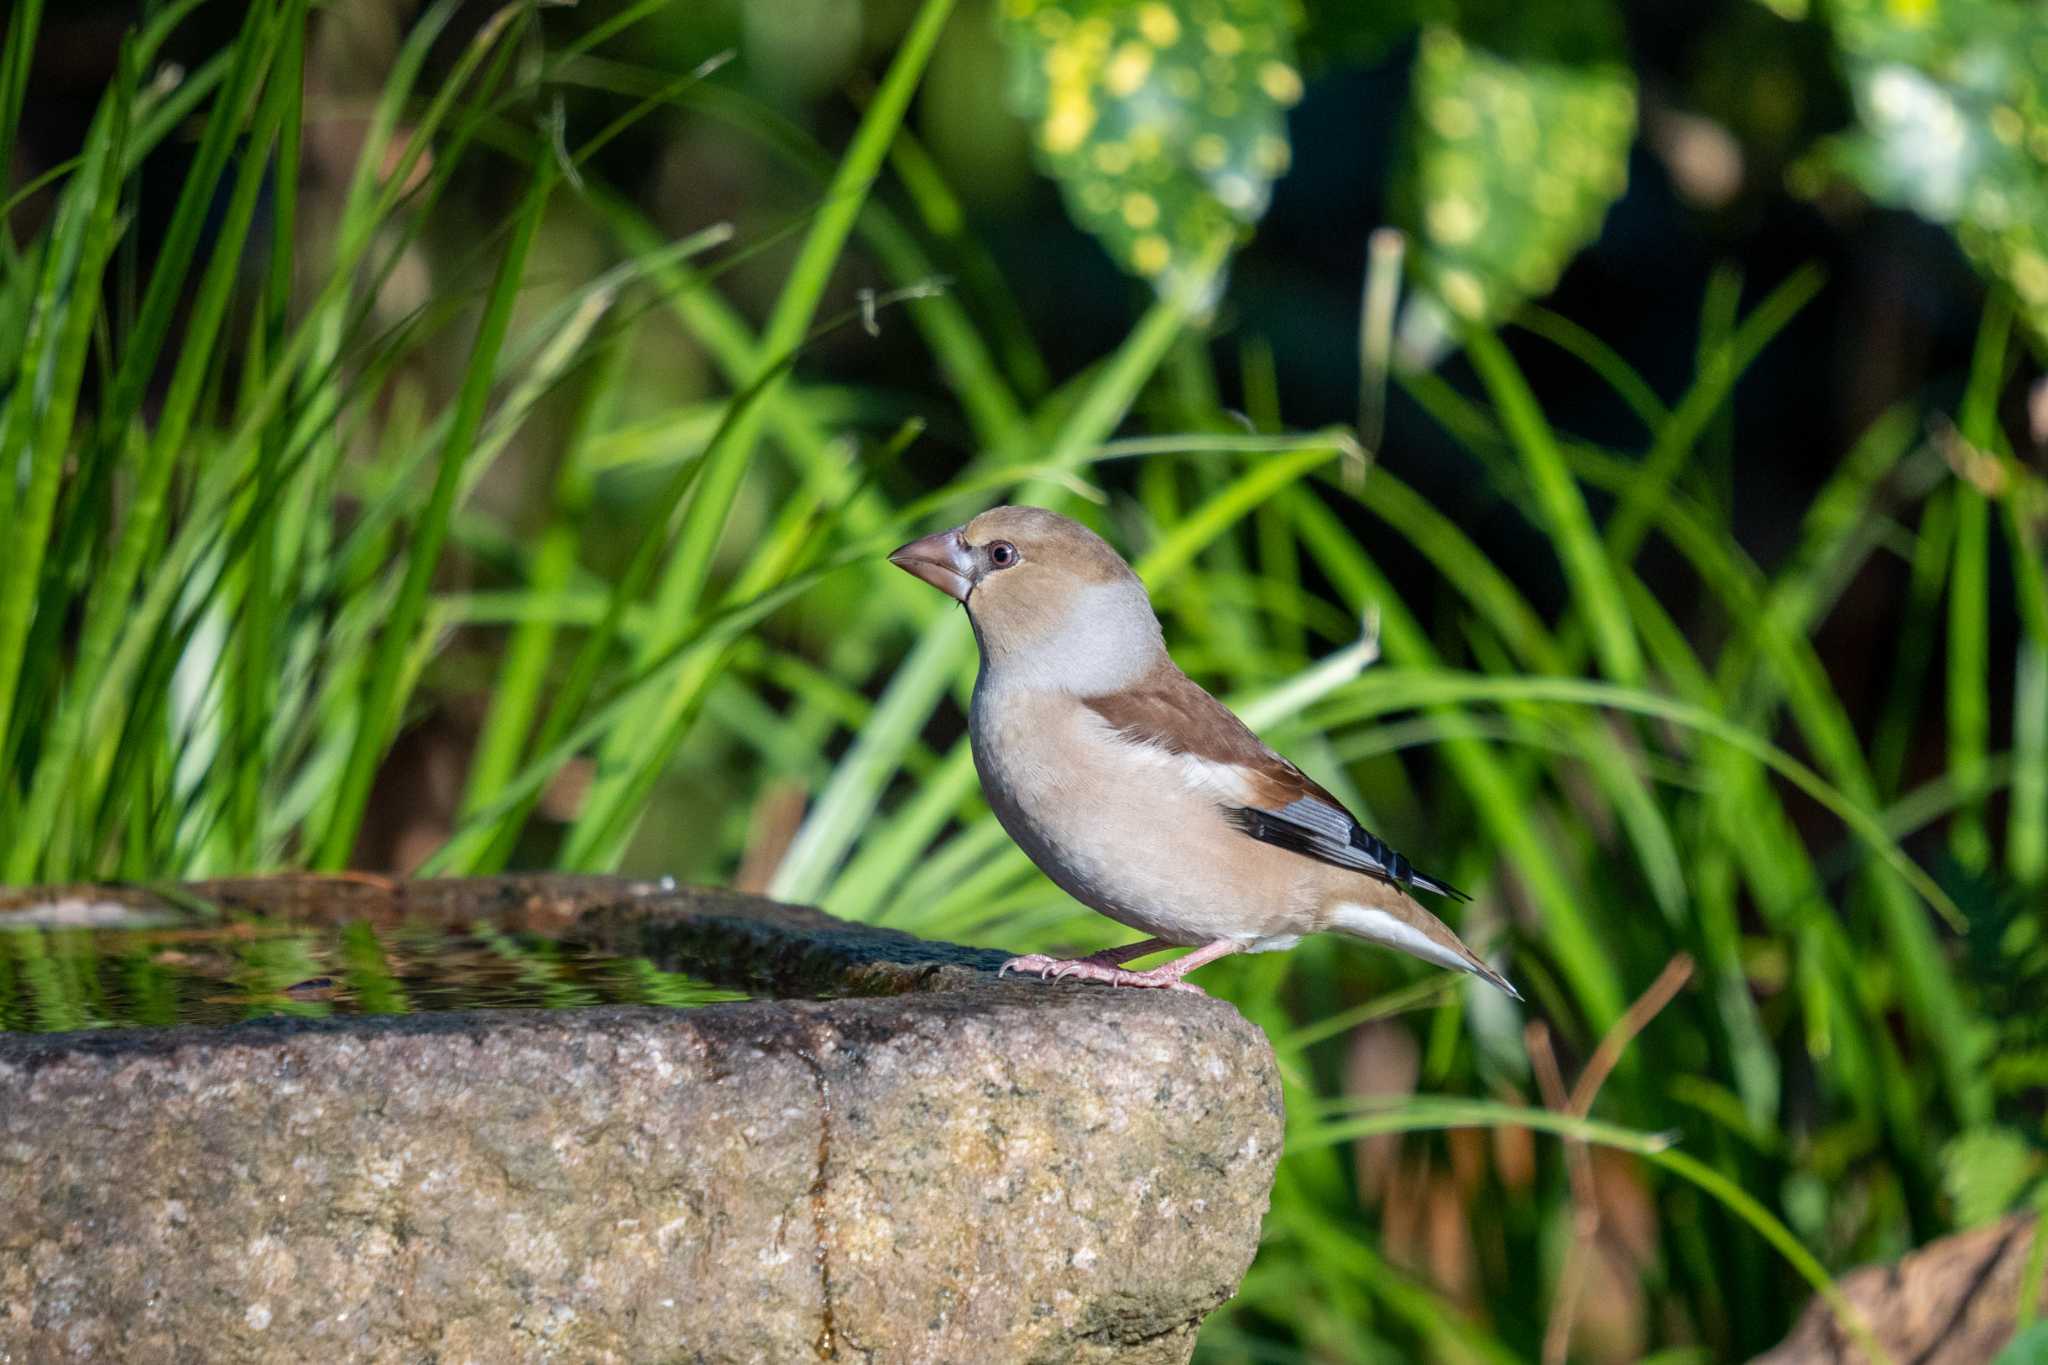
1110 639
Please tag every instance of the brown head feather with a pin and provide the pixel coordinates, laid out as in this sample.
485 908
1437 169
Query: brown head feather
1048 537
1053 605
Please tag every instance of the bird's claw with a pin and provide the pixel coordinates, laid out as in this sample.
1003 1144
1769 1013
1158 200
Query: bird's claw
1087 969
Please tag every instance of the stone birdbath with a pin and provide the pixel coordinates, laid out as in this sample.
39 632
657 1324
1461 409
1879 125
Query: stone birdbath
886 1153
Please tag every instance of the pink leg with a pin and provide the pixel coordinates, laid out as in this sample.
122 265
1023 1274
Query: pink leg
1104 966
1052 968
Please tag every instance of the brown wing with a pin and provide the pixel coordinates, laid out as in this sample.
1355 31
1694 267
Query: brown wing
1280 804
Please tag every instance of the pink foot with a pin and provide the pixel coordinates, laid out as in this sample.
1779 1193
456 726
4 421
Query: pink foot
1095 969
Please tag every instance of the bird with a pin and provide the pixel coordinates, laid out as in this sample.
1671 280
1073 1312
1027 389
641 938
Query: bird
1135 791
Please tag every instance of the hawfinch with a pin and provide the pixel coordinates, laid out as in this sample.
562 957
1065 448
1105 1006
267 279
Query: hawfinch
1136 791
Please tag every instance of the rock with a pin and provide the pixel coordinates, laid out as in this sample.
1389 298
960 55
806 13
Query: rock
964 1170
1952 1302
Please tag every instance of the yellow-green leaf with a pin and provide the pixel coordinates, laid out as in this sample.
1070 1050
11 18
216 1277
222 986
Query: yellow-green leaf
1512 156
1163 121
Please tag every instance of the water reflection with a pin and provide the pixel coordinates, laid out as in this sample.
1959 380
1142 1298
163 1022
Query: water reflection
56 979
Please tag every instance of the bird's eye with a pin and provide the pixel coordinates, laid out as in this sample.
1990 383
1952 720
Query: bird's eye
1002 554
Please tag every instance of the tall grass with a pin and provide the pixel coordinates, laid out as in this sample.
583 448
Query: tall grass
247 558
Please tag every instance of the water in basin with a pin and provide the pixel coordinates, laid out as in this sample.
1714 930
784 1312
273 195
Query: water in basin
54 979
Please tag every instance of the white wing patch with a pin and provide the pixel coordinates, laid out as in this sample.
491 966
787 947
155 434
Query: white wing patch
1227 782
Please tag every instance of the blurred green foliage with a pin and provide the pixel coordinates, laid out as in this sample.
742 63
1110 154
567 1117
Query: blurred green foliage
1952 107
2028 1347
1519 126
1164 124
462 444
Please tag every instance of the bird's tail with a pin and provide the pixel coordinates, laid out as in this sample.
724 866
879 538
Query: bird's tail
1406 926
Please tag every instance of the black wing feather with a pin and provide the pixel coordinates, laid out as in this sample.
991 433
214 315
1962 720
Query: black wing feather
1327 833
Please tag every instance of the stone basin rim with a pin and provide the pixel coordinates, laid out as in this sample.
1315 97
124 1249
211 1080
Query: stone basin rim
784 954
738 1018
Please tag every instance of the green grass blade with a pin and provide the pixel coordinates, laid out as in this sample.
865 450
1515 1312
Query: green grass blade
515 701
1462 564
1969 644
1676 439
1969 670
1391 689
485 839
969 367
1596 355
563 736
1595 589
257 684
628 756
16 53
726 335
58 776
2026 840
1486 778
168 281
1931 990
946 219
1430 1115
39 414
1903 701
379 715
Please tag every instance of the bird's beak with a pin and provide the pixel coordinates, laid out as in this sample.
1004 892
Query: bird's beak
941 560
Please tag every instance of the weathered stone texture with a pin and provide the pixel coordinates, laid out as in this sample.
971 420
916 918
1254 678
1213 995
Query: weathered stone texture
1009 1172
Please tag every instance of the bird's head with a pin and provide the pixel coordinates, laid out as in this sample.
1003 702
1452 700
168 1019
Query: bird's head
1047 596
